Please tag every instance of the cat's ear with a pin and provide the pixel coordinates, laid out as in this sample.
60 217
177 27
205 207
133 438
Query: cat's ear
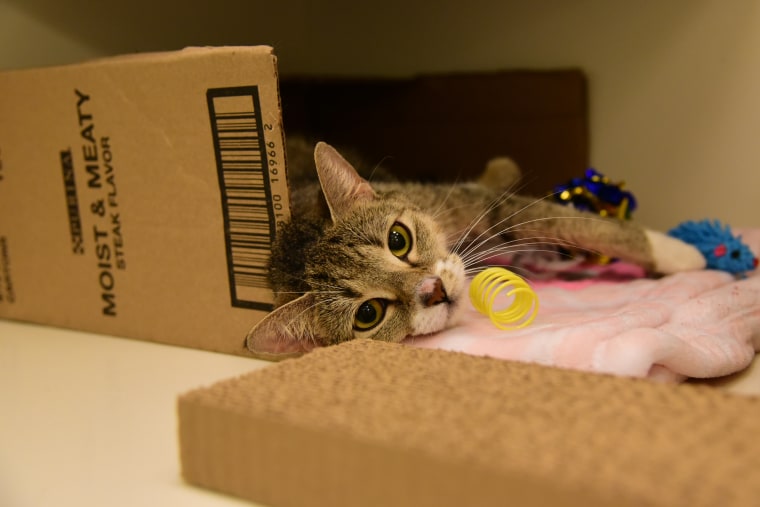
288 331
341 184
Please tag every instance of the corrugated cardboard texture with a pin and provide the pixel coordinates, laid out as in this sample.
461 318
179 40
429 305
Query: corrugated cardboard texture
375 424
139 194
446 127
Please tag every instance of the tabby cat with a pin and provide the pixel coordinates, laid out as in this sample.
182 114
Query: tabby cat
389 260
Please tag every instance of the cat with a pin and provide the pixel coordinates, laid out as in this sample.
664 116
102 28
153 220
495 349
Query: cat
389 260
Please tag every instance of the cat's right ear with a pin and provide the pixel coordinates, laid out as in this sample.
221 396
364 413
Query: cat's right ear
341 184
288 331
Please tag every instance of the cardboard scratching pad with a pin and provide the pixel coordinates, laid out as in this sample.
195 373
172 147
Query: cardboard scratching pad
375 424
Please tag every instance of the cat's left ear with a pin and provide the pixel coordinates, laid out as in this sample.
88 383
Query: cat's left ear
341 184
288 331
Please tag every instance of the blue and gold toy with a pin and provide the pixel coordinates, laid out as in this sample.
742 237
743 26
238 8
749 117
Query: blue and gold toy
596 193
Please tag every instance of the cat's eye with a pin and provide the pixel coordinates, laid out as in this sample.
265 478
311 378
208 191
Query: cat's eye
369 314
399 240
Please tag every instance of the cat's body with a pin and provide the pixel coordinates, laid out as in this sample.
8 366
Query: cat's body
388 260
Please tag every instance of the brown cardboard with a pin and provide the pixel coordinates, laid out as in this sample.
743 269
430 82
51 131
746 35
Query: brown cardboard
376 424
138 194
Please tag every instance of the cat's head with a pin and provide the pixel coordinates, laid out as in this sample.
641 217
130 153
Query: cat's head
381 270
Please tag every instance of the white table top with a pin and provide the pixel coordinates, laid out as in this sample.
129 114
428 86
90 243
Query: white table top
90 420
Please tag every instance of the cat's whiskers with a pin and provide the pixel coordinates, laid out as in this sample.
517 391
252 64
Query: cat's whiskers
477 242
501 242
508 193
440 210
517 246
479 217
475 221
524 272
377 166
545 219
298 330
500 255
474 256
484 261
455 234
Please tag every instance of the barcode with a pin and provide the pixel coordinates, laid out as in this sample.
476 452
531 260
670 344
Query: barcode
249 221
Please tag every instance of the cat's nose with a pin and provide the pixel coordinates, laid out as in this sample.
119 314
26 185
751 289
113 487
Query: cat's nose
432 292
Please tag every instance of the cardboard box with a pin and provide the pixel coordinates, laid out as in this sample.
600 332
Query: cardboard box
139 194
367 423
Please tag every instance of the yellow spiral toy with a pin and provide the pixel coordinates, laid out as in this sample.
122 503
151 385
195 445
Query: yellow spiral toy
486 287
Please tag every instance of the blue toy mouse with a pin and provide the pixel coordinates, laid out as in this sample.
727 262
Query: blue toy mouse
721 249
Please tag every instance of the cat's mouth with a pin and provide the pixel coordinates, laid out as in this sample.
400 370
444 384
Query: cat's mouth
434 318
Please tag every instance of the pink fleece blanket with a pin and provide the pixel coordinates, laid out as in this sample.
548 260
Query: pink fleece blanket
699 324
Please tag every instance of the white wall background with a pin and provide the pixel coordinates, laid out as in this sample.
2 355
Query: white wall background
675 85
